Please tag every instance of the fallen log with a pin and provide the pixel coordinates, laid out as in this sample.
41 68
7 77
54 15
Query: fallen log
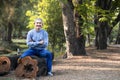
8 63
27 68
13 60
31 67
4 65
42 66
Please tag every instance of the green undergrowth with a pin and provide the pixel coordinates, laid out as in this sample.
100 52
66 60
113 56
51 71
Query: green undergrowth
20 44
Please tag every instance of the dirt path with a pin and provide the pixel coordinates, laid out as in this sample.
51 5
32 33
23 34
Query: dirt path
99 65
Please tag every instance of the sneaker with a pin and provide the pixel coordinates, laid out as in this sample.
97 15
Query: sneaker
50 74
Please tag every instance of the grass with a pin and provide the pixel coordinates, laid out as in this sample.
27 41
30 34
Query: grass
7 49
21 43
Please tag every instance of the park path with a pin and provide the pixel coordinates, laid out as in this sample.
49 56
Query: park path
99 65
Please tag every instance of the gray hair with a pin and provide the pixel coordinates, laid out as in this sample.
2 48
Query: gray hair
38 19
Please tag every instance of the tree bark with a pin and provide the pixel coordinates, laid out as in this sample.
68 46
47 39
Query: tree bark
118 36
8 11
73 43
101 36
9 33
102 28
78 24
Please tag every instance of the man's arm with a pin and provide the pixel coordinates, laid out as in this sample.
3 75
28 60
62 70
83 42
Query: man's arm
44 42
30 41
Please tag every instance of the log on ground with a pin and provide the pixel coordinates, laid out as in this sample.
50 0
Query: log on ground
31 67
4 65
27 68
8 63
42 66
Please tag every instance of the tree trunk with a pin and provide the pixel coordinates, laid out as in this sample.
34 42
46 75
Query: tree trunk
89 39
73 43
7 19
9 33
118 36
102 28
101 36
78 24
6 35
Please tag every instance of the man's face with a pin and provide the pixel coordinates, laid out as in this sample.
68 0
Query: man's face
38 25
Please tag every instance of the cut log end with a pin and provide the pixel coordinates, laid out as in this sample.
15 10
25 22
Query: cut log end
4 65
27 68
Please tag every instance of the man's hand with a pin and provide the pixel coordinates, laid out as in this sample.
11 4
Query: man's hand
41 41
31 41
19 60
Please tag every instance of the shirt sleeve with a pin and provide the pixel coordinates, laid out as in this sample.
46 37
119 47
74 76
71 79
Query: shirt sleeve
30 41
45 39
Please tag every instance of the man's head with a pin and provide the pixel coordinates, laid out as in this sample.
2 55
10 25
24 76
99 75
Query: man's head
38 23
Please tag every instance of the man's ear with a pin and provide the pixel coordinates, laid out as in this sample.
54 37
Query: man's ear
42 23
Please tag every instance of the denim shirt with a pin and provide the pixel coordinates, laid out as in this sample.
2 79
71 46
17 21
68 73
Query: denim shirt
34 37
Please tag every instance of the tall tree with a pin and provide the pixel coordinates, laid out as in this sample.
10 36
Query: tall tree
12 17
78 27
118 36
72 41
102 27
107 9
7 12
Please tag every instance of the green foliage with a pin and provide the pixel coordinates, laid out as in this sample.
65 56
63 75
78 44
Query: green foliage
21 43
7 45
102 19
114 32
87 12
108 15
20 19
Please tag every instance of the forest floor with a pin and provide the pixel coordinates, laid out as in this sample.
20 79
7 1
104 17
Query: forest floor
98 65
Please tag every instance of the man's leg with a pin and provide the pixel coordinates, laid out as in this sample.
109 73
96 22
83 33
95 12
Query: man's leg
28 52
48 55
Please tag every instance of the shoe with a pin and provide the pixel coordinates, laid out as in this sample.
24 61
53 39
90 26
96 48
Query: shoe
50 74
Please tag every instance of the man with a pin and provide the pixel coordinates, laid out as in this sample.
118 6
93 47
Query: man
37 40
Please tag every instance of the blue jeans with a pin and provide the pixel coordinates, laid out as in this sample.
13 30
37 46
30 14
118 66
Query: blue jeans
41 53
